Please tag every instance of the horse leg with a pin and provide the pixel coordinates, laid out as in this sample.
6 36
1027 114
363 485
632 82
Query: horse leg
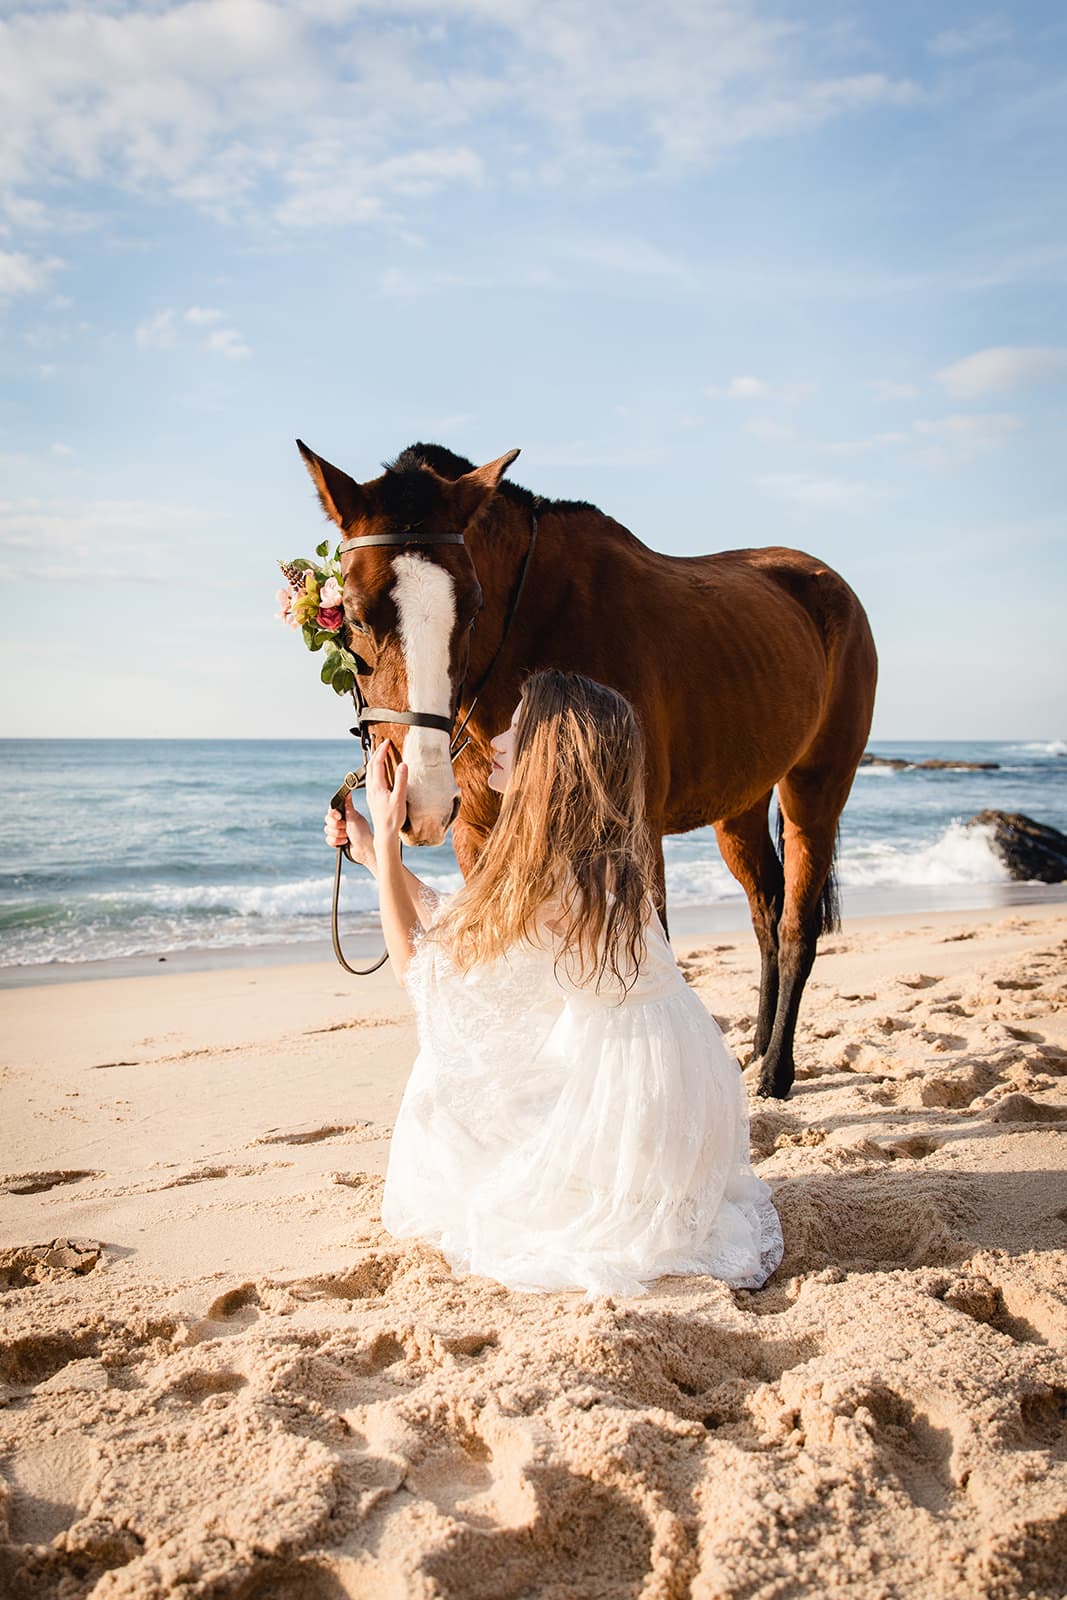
810 811
749 853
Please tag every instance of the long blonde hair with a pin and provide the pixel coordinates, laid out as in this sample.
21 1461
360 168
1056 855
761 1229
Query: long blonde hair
571 834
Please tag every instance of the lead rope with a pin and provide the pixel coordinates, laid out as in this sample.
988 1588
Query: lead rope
353 780
358 778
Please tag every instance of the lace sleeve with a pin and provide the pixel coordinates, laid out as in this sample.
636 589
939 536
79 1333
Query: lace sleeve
428 902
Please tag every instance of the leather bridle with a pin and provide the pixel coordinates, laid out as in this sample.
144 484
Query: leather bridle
368 715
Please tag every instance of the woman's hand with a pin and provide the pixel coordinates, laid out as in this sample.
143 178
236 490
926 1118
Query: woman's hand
354 828
388 806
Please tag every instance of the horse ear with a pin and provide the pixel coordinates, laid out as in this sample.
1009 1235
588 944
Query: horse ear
341 496
474 488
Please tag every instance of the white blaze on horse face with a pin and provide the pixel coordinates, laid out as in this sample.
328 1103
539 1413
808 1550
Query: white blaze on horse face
425 599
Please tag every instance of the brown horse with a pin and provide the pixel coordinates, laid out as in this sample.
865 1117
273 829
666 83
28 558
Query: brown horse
748 668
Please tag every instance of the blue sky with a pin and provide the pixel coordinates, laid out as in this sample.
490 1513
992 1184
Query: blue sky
740 273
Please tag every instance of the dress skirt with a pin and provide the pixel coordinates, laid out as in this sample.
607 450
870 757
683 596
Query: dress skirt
553 1138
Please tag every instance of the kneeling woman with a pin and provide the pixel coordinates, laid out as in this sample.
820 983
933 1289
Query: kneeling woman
573 1119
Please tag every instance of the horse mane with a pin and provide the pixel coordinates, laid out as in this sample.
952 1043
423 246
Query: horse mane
447 464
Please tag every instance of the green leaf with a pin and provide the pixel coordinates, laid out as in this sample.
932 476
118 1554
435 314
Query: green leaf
308 631
329 667
300 564
323 549
343 682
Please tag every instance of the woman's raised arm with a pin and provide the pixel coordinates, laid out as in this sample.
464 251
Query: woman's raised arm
357 830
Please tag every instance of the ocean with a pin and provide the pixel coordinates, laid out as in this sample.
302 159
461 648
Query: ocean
129 852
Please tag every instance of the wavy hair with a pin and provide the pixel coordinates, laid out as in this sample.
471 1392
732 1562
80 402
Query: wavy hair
571 837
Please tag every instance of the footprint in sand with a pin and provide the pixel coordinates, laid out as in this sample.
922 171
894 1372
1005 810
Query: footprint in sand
909 1445
958 1088
370 1280
207 1174
1020 1108
45 1263
914 1148
41 1182
50 1480
358 1132
243 1302
1043 1420
982 1300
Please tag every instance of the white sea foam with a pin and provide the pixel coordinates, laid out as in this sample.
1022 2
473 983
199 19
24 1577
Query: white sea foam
958 855
1045 747
303 897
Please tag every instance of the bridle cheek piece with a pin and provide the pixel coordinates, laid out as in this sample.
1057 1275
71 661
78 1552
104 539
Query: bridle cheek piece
367 715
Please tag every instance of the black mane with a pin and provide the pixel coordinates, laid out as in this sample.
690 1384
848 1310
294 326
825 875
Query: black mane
412 486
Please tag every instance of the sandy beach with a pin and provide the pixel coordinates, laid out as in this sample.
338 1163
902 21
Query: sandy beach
230 1382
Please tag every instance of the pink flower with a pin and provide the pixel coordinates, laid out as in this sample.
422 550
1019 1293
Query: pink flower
284 598
330 593
330 618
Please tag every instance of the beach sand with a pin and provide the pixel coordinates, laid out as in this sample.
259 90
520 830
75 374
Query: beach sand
232 1383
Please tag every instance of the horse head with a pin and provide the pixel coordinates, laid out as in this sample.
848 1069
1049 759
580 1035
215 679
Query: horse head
410 609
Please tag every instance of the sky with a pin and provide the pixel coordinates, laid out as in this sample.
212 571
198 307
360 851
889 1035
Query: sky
740 273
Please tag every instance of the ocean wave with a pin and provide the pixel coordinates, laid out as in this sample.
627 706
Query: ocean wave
959 855
1045 747
166 919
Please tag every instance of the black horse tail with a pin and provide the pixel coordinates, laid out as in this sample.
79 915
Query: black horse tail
828 908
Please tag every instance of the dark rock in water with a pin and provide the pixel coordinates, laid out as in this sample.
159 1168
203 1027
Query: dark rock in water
898 765
1031 851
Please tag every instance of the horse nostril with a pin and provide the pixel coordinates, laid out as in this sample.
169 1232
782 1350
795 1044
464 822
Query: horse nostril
454 813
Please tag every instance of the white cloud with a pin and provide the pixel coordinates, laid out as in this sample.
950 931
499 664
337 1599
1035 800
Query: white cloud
749 388
938 441
877 441
22 274
62 450
228 342
984 34
767 429
348 110
1003 367
157 332
959 438
820 493
105 539
891 389
161 331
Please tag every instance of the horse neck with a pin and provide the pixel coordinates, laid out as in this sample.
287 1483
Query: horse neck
498 543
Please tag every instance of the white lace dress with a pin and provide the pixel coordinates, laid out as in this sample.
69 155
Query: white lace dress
552 1138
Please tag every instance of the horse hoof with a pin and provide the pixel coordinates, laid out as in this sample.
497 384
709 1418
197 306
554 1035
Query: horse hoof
768 1089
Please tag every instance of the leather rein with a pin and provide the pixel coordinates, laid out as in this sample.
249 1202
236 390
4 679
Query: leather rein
368 715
